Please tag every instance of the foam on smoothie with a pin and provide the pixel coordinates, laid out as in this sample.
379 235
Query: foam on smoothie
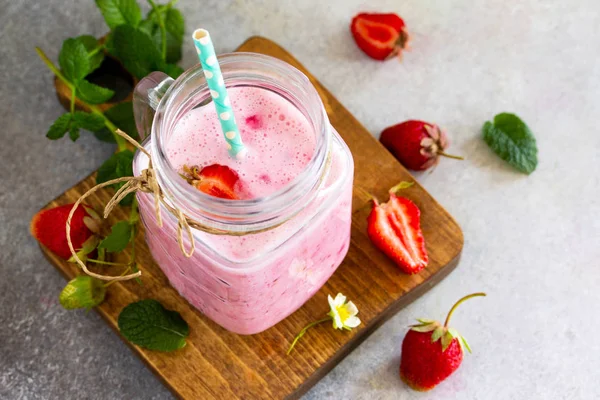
279 139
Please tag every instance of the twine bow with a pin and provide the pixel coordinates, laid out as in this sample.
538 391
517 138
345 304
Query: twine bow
146 182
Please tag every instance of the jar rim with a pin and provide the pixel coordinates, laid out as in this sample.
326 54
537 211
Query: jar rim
249 214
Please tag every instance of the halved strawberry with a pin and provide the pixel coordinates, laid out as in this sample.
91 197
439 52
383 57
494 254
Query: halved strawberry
380 36
216 180
394 228
49 228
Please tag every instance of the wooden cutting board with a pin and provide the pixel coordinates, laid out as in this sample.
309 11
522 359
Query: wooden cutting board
217 364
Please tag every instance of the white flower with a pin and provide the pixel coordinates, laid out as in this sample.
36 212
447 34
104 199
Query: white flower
343 314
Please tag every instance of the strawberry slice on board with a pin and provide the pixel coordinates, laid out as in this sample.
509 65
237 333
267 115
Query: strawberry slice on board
394 228
216 180
380 36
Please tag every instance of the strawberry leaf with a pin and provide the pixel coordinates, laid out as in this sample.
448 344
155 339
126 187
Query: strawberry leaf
119 237
446 340
464 343
437 333
510 138
120 12
148 324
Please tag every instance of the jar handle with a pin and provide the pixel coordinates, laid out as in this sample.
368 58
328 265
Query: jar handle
146 96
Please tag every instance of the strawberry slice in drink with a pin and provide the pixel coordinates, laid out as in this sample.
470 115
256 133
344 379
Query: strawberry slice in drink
394 228
216 180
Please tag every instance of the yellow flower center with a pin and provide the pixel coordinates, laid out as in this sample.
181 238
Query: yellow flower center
343 312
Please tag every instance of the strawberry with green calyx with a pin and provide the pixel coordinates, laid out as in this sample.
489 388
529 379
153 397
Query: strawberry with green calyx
49 228
431 352
416 144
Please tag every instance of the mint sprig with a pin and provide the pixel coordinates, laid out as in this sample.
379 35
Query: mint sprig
120 12
72 122
150 325
510 138
119 237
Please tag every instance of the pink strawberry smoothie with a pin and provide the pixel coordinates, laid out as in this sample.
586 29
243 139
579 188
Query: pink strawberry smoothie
249 283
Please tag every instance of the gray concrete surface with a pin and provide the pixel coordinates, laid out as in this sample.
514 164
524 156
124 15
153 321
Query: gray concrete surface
531 242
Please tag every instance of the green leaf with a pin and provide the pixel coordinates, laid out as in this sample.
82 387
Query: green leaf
400 186
89 245
92 93
437 333
118 165
121 115
74 132
425 327
118 239
174 27
148 324
82 292
513 141
73 60
135 49
120 12
175 24
59 127
446 340
89 121
464 343
171 69
91 44
148 26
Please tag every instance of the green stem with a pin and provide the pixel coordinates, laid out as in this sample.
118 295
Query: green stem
121 143
163 29
458 303
95 51
108 263
303 331
73 100
441 153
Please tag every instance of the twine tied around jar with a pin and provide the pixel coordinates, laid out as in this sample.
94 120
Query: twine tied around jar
146 182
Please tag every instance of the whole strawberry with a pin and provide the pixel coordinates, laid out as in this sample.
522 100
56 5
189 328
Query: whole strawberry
416 144
49 228
380 36
431 352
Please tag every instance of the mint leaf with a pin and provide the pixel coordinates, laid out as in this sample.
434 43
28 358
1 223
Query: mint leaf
74 132
82 292
89 121
121 115
118 239
175 24
91 44
148 324
59 127
73 60
120 12
172 70
92 93
512 140
118 165
135 49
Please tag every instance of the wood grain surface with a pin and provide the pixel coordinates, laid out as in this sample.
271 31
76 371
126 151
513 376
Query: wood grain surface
217 364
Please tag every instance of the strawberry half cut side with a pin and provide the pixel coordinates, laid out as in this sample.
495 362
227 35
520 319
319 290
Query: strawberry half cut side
394 228
216 180
380 36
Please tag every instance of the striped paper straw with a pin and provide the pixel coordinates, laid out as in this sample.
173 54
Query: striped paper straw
216 84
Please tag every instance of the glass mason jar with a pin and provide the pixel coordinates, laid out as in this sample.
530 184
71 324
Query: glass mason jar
292 240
